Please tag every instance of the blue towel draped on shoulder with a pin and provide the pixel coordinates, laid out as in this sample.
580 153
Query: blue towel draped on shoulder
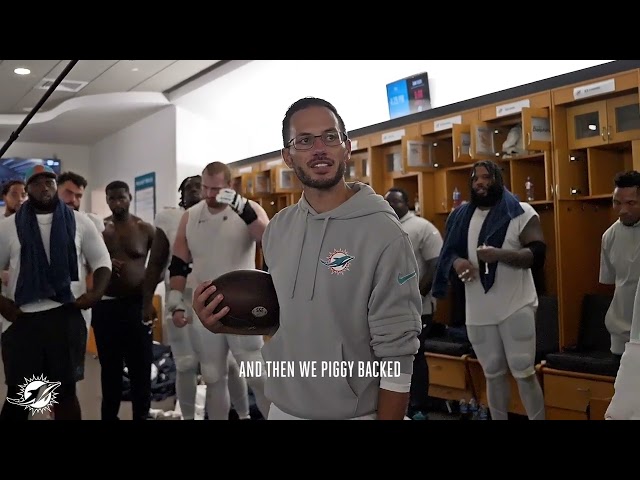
493 232
40 279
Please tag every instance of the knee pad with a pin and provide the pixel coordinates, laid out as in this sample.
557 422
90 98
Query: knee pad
212 373
493 366
250 357
522 365
187 363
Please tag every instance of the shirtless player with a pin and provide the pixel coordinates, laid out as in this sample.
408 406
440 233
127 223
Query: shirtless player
120 331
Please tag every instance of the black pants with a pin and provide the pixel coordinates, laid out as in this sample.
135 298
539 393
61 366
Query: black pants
122 339
49 344
419 393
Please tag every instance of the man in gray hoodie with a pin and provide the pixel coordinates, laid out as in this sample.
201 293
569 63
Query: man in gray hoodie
347 284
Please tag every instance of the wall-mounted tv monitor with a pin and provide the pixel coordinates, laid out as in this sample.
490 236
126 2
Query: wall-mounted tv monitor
14 168
409 95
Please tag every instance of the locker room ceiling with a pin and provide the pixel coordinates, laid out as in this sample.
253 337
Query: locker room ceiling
95 99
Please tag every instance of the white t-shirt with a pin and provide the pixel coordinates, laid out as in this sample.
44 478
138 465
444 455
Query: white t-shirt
80 287
98 222
620 265
218 243
513 287
168 220
90 247
427 243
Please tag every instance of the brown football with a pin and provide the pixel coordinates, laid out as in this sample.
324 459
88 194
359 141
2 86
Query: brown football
251 298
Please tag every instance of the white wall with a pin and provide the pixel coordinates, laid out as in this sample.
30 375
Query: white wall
146 146
73 158
195 145
245 107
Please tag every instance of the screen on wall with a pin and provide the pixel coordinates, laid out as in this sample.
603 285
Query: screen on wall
409 95
14 168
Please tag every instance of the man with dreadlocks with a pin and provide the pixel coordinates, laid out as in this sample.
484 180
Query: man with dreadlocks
492 243
185 340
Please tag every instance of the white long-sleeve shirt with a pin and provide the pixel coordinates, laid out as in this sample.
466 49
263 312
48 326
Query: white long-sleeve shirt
90 247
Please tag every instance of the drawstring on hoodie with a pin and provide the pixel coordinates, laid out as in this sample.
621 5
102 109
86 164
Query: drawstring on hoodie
315 272
304 234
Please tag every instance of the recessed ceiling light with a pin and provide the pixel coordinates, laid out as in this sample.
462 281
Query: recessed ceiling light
22 71
135 69
27 109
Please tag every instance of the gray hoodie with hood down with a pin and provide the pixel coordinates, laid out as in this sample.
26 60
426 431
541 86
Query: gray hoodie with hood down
348 291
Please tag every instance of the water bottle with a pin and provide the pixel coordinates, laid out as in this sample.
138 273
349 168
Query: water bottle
456 198
483 413
416 205
464 410
473 409
528 186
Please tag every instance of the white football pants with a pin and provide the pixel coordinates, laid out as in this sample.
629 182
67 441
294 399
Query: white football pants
510 345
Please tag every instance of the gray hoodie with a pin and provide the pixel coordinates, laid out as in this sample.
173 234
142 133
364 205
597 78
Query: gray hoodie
348 293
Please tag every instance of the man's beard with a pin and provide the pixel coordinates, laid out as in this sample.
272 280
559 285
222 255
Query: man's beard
400 213
120 212
322 184
47 206
493 196
213 203
631 223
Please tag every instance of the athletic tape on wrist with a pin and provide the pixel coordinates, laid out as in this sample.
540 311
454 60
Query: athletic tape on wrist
175 301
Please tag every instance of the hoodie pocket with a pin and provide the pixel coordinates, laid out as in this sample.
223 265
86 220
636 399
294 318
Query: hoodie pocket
349 391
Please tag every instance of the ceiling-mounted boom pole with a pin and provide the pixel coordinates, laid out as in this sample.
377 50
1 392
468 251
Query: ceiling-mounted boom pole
14 135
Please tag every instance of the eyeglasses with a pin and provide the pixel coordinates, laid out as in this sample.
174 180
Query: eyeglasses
330 139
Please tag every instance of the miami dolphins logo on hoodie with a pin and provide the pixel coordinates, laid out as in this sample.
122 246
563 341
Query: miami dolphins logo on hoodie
338 261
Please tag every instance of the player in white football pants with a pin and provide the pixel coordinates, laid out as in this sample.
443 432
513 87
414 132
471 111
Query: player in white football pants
184 342
218 235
